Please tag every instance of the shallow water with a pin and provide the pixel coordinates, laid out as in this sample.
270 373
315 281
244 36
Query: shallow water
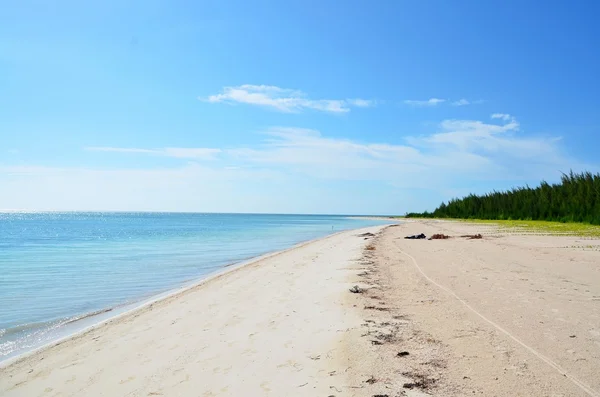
58 267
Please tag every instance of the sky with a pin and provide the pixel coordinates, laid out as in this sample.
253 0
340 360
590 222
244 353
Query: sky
339 107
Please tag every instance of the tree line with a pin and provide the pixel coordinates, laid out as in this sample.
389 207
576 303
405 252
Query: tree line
575 199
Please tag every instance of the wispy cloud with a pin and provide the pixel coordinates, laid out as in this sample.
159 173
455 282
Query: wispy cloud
461 102
502 116
438 101
361 103
514 156
292 169
478 136
428 102
458 148
182 153
284 100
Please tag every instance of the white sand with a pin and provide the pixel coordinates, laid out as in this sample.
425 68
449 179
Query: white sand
274 327
508 315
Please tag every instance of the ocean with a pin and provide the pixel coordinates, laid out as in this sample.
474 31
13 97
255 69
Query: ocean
62 271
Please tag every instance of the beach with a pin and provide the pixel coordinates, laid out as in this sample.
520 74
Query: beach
267 328
510 314
61 271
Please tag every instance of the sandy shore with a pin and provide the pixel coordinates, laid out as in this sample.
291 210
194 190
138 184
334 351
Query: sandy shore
511 314
506 315
274 327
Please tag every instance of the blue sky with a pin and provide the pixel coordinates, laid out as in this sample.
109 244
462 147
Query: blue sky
291 106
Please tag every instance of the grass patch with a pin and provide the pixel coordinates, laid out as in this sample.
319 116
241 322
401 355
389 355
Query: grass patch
558 228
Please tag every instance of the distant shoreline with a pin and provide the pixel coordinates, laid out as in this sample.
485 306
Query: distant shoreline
26 211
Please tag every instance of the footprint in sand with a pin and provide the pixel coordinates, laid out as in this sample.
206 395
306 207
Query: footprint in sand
69 365
265 386
187 379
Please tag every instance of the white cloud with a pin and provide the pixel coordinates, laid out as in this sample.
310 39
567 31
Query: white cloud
428 102
461 102
284 100
361 103
303 170
437 101
182 153
308 152
458 149
502 116
513 154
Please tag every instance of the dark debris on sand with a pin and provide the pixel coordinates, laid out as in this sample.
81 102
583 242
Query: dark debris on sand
371 380
439 237
420 381
472 236
367 234
416 237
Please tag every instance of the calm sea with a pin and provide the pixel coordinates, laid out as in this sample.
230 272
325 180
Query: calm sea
56 268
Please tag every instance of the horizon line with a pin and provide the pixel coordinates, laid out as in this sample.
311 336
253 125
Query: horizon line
4 210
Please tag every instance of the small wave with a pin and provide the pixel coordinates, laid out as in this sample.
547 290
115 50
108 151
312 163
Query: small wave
25 336
28 335
23 328
87 315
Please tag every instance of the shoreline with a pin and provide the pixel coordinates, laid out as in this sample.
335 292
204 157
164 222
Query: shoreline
102 317
354 314
268 327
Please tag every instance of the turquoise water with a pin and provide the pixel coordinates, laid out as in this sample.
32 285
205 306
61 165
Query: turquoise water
58 267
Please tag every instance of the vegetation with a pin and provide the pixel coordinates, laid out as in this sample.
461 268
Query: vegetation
575 199
544 227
